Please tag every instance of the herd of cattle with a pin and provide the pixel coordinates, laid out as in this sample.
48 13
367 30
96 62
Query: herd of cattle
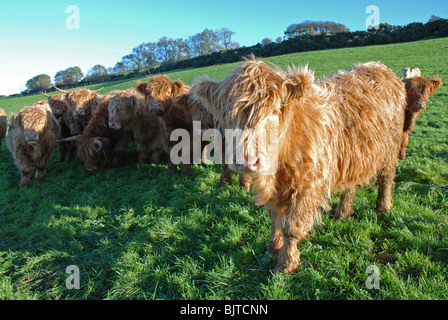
333 134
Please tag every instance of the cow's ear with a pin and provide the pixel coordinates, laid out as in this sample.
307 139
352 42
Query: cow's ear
141 87
437 83
16 119
178 86
204 89
296 83
134 100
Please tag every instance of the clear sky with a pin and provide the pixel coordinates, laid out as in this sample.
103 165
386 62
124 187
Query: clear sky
34 38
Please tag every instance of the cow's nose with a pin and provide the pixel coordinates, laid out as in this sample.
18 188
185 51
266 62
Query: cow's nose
32 136
111 124
420 105
155 106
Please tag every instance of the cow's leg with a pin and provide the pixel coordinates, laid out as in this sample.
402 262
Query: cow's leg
345 206
245 181
295 224
40 175
142 156
186 169
404 144
276 240
71 151
156 157
204 153
62 146
289 256
386 182
226 176
27 174
119 150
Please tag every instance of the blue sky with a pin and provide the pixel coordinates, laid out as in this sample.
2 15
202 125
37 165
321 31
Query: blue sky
34 38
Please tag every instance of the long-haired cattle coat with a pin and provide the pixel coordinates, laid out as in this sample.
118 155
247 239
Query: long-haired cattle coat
129 112
31 140
99 146
333 134
418 91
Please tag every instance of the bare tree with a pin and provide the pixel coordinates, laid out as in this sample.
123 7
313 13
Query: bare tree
225 36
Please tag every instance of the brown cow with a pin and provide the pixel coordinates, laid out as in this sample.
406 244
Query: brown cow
334 134
57 103
159 92
69 125
31 140
172 102
128 111
99 146
3 126
418 90
82 103
181 112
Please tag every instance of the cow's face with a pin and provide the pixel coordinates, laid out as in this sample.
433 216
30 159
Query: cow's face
158 98
122 110
251 99
261 102
81 100
58 104
418 90
32 122
160 90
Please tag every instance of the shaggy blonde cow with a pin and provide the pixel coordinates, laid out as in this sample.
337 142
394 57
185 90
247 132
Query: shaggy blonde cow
333 134
31 140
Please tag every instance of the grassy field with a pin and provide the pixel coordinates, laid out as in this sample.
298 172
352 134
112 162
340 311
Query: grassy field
139 232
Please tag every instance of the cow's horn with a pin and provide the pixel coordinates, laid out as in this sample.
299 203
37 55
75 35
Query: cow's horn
98 90
47 95
72 138
64 91
100 144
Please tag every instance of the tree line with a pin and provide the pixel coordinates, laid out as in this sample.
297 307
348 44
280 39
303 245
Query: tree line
144 56
216 47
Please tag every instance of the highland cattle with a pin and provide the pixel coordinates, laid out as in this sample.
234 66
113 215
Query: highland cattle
31 140
418 91
334 134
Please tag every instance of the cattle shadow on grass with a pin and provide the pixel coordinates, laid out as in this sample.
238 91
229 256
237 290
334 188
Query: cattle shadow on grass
135 222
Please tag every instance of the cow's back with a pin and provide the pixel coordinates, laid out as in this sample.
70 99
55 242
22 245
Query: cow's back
369 102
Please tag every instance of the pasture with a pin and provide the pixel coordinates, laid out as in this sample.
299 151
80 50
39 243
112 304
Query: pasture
139 232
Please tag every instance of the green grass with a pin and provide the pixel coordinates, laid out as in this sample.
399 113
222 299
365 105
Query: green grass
139 232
